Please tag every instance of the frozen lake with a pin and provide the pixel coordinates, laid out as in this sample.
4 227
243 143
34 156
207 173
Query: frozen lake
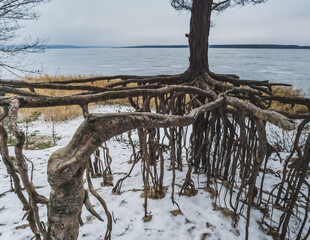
277 65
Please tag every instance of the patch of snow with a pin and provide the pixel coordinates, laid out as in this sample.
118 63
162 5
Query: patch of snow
197 221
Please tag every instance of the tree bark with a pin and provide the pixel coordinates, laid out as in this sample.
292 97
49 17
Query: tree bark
66 166
199 35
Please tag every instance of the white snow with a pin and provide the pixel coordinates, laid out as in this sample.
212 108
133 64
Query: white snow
198 221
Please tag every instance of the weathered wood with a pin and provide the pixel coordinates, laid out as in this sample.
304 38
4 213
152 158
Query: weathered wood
266 115
116 94
66 166
22 168
12 85
4 89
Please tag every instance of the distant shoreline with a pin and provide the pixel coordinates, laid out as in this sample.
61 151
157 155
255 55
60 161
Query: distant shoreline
237 46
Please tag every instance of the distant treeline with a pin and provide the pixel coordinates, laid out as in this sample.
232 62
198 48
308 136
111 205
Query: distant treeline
70 46
251 46
258 46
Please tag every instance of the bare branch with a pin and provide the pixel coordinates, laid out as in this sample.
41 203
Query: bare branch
181 4
12 13
221 5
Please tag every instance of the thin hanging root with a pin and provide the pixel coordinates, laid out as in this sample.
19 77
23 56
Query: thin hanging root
118 185
102 202
173 167
32 168
188 187
90 208
108 158
145 172
98 159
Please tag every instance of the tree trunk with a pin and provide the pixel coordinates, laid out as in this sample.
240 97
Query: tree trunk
199 36
66 203
198 61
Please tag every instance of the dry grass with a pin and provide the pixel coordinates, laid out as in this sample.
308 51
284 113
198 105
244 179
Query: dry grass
150 193
62 113
287 92
176 212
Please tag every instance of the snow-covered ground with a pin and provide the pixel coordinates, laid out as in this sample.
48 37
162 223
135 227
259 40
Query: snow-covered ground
198 221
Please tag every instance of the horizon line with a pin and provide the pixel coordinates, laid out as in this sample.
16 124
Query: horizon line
255 46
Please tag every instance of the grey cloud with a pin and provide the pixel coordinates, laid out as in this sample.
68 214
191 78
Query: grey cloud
130 22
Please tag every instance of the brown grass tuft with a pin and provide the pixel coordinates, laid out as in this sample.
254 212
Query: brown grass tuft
287 92
152 195
176 212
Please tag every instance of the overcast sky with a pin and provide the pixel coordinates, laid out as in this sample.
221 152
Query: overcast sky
140 22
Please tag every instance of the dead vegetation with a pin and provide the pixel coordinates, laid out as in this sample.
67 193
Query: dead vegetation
151 193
